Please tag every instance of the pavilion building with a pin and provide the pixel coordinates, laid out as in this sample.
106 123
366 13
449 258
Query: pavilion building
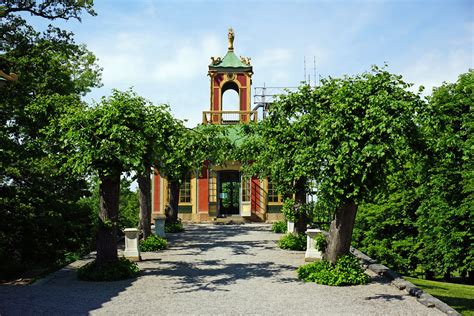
223 191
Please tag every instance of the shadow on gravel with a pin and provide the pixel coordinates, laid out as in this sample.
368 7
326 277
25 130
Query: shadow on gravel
62 294
237 247
214 275
198 239
385 297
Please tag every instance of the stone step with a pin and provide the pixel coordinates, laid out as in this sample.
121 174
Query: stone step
230 220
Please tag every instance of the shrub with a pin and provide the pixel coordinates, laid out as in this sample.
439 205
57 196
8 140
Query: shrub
153 243
321 243
174 227
346 271
288 210
293 242
114 271
279 227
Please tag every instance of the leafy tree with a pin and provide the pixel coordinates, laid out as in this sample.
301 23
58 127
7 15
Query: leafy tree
386 229
187 151
445 215
104 140
263 154
36 197
157 129
57 9
424 220
128 204
349 134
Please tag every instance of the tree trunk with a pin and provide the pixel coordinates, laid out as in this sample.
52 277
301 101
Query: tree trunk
340 232
301 220
144 188
109 193
447 275
429 275
172 209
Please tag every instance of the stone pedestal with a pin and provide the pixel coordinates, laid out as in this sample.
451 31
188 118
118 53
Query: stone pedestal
312 254
290 227
132 247
160 225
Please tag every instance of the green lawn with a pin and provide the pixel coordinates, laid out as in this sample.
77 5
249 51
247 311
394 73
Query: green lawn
458 296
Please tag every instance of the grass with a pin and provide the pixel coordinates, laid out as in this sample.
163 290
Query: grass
458 296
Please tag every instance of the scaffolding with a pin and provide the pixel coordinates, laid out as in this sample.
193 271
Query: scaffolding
264 96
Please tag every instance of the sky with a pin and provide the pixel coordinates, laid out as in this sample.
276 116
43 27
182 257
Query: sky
162 48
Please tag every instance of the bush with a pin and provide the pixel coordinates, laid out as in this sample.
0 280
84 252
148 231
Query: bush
174 227
153 243
279 227
346 271
293 242
288 210
321 243
118 270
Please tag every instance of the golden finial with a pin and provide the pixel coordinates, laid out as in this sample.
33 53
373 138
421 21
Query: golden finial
231 39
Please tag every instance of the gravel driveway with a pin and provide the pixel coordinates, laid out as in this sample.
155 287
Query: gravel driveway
210 269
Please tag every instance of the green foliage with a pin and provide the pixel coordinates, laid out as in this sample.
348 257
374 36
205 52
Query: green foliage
58 9
424 221
386 229
128 205
293 242
279 227
42 218
128 208
176 227
346 271
104 139
321 242
445 215
288 210
114 271
37 198
347 134
188 149
153 243
293 211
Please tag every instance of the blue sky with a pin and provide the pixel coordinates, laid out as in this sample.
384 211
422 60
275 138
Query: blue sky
163 48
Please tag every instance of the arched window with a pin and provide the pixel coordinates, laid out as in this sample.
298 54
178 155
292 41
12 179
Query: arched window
230 97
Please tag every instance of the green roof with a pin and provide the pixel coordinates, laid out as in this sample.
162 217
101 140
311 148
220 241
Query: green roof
230 60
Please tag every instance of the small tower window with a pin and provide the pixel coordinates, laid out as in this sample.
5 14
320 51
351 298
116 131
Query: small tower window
230 97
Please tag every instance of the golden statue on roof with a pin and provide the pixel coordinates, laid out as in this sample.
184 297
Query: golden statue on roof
231 39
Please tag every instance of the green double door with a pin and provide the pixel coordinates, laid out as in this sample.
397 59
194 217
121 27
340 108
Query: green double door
229 193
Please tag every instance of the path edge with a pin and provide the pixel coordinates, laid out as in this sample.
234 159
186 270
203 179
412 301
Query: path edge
399 282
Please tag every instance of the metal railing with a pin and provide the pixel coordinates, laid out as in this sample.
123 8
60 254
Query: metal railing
229 117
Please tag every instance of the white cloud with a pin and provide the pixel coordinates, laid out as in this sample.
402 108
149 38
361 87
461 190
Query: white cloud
188 60
431 69
272 58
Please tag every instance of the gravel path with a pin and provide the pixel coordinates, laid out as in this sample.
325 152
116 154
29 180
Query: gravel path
210 269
